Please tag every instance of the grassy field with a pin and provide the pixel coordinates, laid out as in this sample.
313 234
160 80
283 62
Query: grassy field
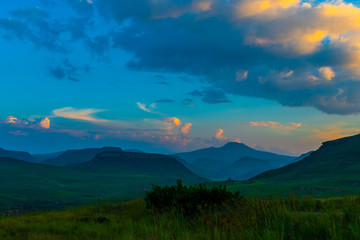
318 188
27 186
248 218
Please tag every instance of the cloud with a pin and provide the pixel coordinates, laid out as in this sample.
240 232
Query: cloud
327 73
45 123
146 108
64 70
219 135
196 93
272 49
173 120
79 114
274 125
334 131
15 121
164 101
58 35
11 119
185 129
241 75
211 95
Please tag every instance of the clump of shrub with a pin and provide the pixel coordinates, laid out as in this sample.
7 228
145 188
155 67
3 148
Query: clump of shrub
188 200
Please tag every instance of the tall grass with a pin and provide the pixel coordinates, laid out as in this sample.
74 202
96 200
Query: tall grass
247 218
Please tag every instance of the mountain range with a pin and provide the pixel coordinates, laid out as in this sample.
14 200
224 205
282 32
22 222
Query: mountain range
332 170
71 157
84 175
233 160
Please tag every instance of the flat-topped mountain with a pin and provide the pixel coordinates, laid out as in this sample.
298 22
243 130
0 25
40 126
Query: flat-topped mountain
71 157
137 162
25 156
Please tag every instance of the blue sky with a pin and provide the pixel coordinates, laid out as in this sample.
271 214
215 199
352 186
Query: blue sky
168 76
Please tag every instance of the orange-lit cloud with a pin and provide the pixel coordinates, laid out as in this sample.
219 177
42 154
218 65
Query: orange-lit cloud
219 135
79 114
185 129
274 125
45 123
202 5
173 120
241 75
249 8
334 131
327 73
11 119
15 121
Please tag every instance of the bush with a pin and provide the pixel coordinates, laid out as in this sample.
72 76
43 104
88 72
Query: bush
188 200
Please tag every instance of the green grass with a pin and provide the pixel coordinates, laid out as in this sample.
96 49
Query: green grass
27 186
249 218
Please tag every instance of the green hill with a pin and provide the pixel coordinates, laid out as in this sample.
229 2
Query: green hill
332 170
335 161
25 186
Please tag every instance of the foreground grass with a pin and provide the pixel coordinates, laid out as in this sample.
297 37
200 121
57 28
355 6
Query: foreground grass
249 218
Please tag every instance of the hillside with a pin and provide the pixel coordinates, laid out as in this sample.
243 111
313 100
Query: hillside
337 160
71 157
217 163
46 156
247 167
26 186
25 156
138 163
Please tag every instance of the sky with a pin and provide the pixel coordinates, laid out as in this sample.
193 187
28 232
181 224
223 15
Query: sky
170 76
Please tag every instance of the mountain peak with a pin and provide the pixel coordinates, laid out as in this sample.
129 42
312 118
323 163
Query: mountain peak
235 145
111 149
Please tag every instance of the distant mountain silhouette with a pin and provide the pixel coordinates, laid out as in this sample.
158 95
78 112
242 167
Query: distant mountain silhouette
46 156
138 163
71 157
336 162
234 160
24 156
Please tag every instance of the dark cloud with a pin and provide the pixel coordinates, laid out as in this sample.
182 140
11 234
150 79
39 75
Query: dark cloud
196 93
242 52
214 96
64 70
272 54
82 7
210 95
164 101
99 45
162 83
33 24
56 35
188 102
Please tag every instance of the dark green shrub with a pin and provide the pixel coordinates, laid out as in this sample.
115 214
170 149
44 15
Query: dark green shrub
188 200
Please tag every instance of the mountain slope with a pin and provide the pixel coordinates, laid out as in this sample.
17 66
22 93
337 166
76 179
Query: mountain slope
216 162
137 163
71 157
25 156
248 167
25 185
46 156
335 160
